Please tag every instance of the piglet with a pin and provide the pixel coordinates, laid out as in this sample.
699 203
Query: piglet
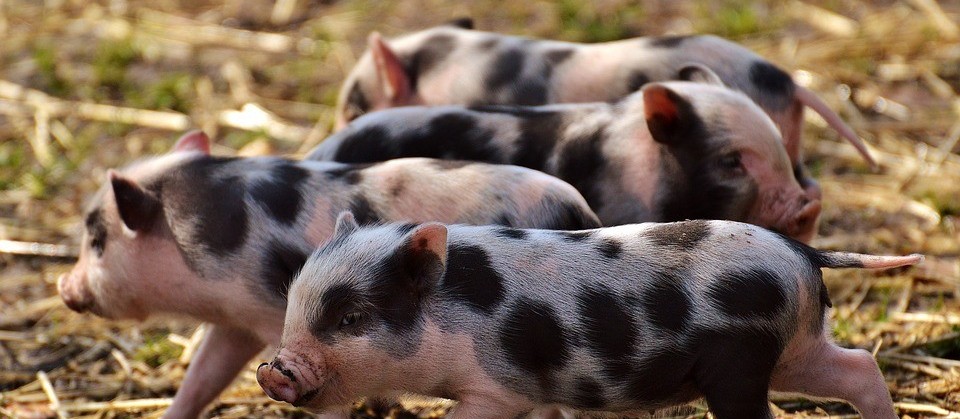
672 151
622 319
218 239
450 65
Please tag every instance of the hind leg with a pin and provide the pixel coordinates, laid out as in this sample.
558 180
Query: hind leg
823 369
734 375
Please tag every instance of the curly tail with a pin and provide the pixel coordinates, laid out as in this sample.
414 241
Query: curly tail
826 259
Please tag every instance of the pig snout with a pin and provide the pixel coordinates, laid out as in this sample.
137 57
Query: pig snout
279 384
802 224
285 383
74 293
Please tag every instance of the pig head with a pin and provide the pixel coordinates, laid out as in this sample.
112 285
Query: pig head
721 157
129 261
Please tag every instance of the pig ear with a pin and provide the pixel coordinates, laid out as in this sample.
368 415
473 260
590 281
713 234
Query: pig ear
699 73
138 208
424 256
193 141
346 223
670 117
394 80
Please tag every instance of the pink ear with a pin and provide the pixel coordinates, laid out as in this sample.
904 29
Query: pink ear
430 237
394 80
658 104
193 141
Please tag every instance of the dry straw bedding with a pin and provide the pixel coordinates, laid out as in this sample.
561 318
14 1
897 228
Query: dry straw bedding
260 77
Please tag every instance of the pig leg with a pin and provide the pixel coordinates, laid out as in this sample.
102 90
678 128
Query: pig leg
222 354
733 374
827 370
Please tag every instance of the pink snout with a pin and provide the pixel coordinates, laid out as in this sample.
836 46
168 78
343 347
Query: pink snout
74 293
803 224
278 382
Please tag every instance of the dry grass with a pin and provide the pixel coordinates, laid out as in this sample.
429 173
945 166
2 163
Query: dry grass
85 86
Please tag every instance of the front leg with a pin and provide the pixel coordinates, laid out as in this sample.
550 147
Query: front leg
222 354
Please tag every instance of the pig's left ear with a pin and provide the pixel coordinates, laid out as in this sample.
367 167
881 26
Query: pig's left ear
138 208
393 78
424 255
699 73
671 119
193 141
346 223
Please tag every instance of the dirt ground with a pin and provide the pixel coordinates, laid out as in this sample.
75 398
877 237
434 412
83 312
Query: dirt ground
90 85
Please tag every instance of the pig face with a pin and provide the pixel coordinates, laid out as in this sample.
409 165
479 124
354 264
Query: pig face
720 146
126 246
353 314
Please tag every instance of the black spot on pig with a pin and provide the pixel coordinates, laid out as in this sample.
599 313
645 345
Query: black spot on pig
576 236
471 279
511 233
669 41
431 53
580 162
401 281
663 377
405 228
363 211
636 80
610 248
349 174
538 137
366 143
280 193
684 235
611 333
775 85
695 189
216 202
281 262
750 293
506 68
665 303
336 302
534 340
587 394
457 136
97 230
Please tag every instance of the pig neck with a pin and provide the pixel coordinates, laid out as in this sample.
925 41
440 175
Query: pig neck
222 301
619 173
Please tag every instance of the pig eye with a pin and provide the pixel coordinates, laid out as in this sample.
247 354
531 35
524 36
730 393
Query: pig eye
731 161
350 319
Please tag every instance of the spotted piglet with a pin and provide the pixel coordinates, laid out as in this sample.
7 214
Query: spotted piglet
450 65
619 319
218 239
672 151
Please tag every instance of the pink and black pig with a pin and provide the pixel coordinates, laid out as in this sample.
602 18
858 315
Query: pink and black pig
669 152
450 65
622 319
218 239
